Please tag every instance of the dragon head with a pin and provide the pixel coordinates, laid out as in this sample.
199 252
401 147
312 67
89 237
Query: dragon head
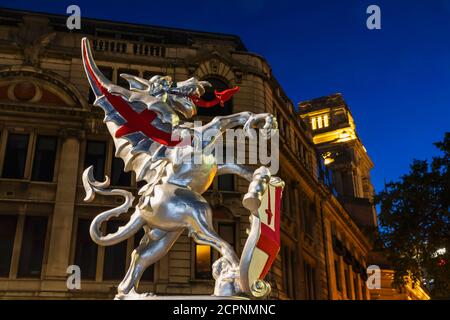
150 107
180 96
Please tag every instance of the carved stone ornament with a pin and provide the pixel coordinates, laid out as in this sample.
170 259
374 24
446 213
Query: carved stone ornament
33 36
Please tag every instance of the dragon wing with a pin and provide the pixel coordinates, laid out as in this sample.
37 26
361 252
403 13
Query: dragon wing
141 125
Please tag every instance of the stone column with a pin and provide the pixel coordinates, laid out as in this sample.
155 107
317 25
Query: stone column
62 219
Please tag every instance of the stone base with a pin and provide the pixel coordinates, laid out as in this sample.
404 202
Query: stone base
193 297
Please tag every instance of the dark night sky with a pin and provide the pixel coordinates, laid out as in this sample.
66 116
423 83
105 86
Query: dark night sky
396 80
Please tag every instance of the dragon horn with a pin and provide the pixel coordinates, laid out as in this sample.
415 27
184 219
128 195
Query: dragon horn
96 78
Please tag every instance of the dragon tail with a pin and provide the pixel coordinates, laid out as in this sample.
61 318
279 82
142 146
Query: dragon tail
135 223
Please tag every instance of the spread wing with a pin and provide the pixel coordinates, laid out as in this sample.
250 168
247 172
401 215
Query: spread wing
141 125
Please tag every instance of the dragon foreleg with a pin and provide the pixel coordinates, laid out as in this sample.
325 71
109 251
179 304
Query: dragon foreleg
258 182
248 120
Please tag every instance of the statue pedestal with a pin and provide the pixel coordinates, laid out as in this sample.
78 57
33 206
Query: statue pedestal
144 296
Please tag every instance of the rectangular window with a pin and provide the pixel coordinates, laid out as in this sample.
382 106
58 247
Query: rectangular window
288 271
337 272
44 158
282 126
310 276
319 122
227 233
308 217
115 256
226 182
326 121
118 176
7 234
293 273
33 245
356 286
293 199
86 250
313 123
348 285
285 209
203 261
95 156
285 266
363 289
150 271
15 156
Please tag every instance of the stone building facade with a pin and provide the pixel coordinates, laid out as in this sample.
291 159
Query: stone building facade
335 136
50 133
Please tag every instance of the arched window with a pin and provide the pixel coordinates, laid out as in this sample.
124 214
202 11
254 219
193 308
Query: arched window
217 110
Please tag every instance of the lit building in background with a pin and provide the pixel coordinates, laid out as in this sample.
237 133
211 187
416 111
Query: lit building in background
334 134
50 133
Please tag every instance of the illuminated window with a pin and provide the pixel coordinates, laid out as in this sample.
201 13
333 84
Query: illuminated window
203 261
326 121
313 123
319 122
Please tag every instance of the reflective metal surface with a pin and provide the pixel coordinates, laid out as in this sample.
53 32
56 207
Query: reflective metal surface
171 200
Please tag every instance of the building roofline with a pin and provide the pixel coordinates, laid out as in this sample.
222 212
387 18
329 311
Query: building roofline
321 103
239 44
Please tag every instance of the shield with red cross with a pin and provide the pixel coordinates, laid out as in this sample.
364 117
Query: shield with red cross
263 243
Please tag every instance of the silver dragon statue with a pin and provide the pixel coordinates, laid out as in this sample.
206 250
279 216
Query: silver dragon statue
177 166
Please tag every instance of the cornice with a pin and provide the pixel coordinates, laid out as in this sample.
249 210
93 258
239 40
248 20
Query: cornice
18 109
348 220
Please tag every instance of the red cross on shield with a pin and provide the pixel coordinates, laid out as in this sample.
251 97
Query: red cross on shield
263 243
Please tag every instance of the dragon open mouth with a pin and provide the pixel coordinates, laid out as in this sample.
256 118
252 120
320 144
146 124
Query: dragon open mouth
220 98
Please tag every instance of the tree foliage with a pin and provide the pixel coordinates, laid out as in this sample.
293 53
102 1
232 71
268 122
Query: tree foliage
415 222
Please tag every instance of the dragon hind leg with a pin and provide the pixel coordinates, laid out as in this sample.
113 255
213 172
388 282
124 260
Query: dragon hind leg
226 269
202 231
147 253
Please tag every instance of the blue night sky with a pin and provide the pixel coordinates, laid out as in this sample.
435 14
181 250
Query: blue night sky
396 80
